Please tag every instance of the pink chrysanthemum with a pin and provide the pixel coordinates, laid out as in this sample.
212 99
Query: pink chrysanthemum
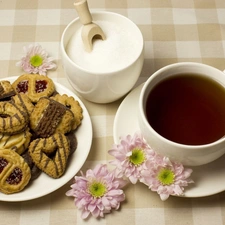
131 156
36 60
166 177
98 192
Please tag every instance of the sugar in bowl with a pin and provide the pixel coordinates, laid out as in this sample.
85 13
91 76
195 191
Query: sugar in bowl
112 67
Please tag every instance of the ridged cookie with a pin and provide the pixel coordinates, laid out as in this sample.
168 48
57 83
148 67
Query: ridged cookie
34 86
13 118
41 150
49 117
6 89
14 172
35 171
17 142
73 105
23 101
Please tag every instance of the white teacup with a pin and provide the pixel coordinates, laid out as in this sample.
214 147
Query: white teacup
100 83
191 155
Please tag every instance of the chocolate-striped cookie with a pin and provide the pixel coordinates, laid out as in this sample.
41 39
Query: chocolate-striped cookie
49 117
6 89
73 105
13 118
23 101
35 171
41 150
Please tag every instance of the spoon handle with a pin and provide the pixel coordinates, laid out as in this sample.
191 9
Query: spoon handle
82 9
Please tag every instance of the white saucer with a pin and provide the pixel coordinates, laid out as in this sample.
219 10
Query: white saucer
209 179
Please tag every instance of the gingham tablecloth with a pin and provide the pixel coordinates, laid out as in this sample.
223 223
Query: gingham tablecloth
174 31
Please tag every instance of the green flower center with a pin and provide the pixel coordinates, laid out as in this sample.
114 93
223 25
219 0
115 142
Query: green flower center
137 157
36 60
166 176
97 189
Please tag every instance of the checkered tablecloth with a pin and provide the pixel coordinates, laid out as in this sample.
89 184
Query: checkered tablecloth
174 31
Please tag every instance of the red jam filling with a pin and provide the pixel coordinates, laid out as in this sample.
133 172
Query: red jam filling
3 164
22 86
15 177
40 86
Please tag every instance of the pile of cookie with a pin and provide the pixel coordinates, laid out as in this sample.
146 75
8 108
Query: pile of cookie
37 127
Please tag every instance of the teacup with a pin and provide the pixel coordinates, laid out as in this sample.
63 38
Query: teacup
104 75
205 145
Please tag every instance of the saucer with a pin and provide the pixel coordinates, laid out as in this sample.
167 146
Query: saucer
209 179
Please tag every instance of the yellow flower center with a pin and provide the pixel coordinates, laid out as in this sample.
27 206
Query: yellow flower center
36 60
137 157
166 176
97 189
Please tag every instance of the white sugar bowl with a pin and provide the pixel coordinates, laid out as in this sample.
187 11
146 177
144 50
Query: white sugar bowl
113 66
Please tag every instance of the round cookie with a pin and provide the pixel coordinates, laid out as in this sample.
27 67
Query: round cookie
49 117
34 86
73 105
40 150
17 142
14 172
23 101
6 89
13 118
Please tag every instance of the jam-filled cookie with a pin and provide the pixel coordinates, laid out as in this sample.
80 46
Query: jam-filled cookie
34 86
17 142
41 150
73 105
6 89
14 172
49 117
13 118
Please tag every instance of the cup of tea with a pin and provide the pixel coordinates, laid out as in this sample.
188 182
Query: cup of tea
181 112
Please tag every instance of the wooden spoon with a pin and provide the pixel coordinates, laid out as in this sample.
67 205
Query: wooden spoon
90 30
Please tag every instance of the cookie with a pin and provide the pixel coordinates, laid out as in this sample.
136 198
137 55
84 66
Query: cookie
49 117
23 101
41 150
17 142
14 172
73 105
73 142
6 90
35 171
34 86
13 118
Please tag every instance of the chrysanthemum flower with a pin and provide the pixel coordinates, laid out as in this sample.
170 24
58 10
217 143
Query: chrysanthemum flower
97 192
166 177
131 156
36 60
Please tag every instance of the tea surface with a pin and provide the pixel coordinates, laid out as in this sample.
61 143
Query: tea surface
187 109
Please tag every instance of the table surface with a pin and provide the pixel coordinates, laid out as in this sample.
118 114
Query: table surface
174 31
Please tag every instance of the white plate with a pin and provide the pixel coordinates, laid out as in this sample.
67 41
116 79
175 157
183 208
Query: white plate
44 184
209 179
